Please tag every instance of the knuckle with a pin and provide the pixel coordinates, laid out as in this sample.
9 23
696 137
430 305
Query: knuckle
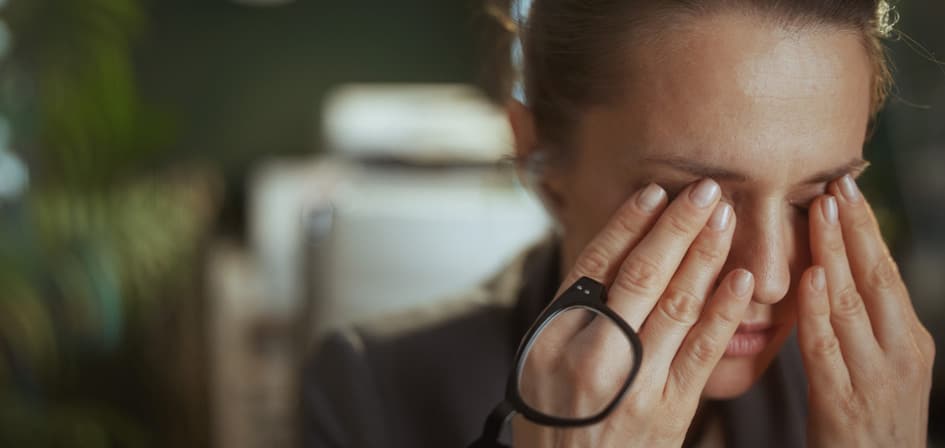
628 222
638 275
885 274
825 345
834 243
703 351
861 220
706 254
727 317
850 408
901 368
592 262
637 405
681 306
847 303
679 225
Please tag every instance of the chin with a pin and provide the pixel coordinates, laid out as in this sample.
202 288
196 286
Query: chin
739 369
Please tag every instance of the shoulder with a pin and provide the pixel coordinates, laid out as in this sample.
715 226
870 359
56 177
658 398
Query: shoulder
444 364
431 342
477 317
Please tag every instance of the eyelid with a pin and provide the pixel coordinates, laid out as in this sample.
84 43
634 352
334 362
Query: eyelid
672 191
674 188
801 204
859 172
806 200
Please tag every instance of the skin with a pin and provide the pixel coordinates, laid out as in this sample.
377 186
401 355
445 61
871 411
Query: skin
775 117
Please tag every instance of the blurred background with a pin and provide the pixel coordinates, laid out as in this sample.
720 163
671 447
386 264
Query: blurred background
191 191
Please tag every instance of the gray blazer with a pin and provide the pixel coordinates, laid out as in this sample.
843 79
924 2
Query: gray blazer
428 378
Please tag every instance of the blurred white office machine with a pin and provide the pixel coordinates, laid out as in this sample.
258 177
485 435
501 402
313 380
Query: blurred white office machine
411 204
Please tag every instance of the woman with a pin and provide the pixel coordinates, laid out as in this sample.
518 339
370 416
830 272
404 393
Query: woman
699 158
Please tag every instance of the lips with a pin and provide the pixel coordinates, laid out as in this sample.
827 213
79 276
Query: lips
750 339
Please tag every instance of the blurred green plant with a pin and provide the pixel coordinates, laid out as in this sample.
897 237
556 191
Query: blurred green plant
70 89
97 259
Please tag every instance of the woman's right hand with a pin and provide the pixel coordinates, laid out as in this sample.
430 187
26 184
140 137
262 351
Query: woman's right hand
659 263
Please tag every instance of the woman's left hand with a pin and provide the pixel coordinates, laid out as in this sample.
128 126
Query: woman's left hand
867 356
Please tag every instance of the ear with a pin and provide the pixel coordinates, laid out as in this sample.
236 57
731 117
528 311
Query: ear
523 129
549 186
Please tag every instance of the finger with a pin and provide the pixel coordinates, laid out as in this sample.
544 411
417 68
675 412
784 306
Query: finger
646 271
847 311
820 348
601 257
602 357
874 270
681 305
706 343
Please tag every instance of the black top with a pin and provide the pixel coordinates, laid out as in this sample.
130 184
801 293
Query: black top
428 378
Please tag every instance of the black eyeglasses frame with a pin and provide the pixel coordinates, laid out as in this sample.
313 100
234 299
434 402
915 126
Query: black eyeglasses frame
585 293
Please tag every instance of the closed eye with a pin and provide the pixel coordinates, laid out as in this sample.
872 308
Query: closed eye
802 207
673 189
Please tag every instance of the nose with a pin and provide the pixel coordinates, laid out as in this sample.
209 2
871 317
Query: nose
763 243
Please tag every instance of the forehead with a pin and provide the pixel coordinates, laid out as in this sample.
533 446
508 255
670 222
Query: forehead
739 92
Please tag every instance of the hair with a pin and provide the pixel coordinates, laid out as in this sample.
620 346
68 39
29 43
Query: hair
569 46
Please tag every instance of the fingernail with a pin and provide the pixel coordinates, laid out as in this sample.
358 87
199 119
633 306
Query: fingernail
704 193
829 208
849 189
651 197
817 279
721 217
741 284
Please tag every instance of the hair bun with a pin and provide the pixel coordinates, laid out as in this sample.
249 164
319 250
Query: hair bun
886 18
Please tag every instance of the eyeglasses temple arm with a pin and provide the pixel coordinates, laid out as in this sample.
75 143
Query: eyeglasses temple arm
493 426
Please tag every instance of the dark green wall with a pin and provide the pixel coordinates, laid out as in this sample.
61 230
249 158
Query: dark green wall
242 81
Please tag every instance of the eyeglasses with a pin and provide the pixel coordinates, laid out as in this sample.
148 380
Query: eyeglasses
578 350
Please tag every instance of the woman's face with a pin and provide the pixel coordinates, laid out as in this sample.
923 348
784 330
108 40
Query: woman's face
771 114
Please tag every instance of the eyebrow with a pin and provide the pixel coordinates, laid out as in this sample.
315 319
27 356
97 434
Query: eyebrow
854 167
